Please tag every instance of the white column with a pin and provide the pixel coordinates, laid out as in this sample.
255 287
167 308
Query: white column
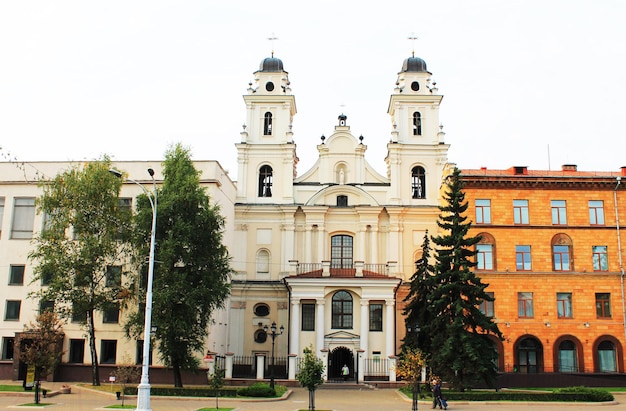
292 367
228 374
389 327
321 244
319 325
364 332
393 363
361 236
260 366
373 245
308 246
361 360
294 328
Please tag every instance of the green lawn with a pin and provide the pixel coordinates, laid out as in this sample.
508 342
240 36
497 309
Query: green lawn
123 407
32 404
214 409
11 388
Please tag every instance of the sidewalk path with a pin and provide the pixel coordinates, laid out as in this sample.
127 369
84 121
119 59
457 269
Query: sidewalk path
85 399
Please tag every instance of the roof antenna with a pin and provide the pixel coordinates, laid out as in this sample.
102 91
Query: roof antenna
413 37
272 38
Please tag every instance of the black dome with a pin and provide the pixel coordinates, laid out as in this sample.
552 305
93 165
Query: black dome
272 65
414 64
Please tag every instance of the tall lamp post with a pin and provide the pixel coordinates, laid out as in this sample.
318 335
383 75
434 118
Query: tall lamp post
273 334
143 389
415 329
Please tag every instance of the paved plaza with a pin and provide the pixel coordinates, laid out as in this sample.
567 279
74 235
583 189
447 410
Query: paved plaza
83 399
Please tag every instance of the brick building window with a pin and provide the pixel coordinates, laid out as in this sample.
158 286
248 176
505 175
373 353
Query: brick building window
600 258
559 212
603 305
483 211
522 258
596 212
525 305
520 212
564 305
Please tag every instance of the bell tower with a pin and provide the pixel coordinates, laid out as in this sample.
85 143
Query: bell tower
267 154
416 152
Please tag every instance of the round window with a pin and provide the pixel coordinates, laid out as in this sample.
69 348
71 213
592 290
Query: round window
415 86
269 86
261 310
260 336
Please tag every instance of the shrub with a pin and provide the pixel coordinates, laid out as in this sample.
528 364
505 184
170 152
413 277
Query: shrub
259 389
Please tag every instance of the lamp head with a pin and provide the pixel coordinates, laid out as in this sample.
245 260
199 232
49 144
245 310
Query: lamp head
115 172
151 172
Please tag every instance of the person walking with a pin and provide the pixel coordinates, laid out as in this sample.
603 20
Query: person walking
437 395
345 371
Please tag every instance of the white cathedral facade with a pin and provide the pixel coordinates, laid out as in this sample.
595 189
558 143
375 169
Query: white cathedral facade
323 254
326 251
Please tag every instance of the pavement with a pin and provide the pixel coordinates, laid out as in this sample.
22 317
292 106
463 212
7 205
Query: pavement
84 399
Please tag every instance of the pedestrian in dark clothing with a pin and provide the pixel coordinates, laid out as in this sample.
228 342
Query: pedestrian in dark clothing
437 395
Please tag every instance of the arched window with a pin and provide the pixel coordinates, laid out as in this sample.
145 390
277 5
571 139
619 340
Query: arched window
561 252
568 360
417 123
607 357
262 263
485 250
267 124
418 182
265 181
341 251
342 310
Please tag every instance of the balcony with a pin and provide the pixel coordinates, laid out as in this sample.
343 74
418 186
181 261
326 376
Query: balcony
359 269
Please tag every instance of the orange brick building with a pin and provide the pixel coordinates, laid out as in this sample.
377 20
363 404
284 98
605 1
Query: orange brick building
550 252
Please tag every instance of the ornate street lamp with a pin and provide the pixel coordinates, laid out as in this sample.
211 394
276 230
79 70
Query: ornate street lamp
143 389
273 334
415 329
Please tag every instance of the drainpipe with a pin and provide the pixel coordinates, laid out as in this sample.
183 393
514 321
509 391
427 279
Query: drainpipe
619 253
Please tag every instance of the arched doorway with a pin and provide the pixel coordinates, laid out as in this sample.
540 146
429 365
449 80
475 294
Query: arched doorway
339 357
529 356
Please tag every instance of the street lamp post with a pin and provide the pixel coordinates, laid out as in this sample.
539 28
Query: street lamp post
415 329
273 334
143 389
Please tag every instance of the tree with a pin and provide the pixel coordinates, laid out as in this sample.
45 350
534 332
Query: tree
409 368
192 276
462 352
126 373
311 374
216 381
82 251
417 310
41 346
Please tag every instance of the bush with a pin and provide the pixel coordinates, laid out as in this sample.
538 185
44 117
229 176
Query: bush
259 389
184 392
593 393
571 394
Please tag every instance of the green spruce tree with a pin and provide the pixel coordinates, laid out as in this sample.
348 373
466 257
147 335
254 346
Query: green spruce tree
461 351
192 276
417 311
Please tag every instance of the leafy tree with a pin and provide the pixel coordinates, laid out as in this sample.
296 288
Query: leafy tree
86 235
417 310
462 352
216 381
41 346
409 368
311 374
192 276
126 373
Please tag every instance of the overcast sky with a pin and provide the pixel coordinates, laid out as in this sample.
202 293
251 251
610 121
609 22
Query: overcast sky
534 83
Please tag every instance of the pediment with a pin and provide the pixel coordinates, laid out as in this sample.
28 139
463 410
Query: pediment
342 335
